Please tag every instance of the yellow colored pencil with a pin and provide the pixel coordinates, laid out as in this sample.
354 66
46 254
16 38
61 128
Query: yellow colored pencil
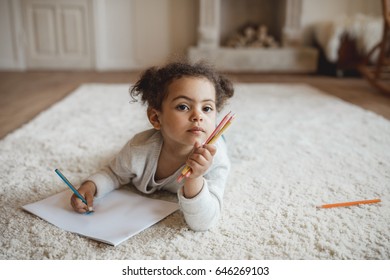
215 138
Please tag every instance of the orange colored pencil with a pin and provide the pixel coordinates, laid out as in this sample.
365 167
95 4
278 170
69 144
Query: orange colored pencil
351 203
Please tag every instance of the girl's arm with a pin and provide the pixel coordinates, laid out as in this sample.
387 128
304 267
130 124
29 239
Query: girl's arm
202 211
200 161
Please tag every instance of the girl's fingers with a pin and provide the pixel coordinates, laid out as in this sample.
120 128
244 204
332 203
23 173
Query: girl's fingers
206 153
78 205
201 158
89 198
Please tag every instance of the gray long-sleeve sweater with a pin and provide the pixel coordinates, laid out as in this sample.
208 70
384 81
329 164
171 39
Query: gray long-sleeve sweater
136 164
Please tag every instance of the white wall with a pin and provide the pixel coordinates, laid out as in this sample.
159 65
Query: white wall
11 34
320 10
137 34
134 34
315 11
114 23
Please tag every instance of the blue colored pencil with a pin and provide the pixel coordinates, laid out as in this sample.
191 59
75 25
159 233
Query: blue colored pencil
70 186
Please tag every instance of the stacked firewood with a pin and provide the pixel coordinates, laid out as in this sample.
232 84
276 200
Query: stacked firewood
252 36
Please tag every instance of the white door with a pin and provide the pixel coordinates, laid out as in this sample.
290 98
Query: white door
58 34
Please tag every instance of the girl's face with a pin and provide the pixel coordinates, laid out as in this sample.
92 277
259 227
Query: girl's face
188 112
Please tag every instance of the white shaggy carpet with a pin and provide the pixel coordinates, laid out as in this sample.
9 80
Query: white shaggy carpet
292 148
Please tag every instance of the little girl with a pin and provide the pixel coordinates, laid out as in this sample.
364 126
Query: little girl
183 101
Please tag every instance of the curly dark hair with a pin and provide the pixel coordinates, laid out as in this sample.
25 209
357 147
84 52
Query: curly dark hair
153 84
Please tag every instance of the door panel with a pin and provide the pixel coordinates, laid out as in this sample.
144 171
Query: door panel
58 34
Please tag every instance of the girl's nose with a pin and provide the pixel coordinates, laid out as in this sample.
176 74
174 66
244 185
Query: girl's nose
197 116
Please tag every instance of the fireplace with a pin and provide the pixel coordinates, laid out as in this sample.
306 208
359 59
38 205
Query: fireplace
221 20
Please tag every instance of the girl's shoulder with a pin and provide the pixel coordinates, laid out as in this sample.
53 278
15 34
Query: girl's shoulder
146 137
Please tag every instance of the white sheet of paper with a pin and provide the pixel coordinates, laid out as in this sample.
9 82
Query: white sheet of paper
118 216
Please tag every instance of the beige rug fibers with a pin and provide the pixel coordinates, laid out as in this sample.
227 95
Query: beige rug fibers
292 148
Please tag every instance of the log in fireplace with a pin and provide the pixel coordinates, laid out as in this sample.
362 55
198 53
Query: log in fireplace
220 21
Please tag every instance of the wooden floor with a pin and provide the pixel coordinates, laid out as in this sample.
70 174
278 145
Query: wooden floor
24 94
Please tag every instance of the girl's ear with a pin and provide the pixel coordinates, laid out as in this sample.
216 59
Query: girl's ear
153 116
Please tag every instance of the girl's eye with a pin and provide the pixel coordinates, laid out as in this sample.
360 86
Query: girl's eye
182 107
208 109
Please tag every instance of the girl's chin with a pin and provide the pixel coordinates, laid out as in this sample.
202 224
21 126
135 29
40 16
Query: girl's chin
198 139
191 140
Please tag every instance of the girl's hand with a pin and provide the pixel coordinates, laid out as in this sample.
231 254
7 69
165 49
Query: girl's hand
87 190
201 159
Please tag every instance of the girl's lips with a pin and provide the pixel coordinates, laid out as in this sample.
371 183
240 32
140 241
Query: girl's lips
196 129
